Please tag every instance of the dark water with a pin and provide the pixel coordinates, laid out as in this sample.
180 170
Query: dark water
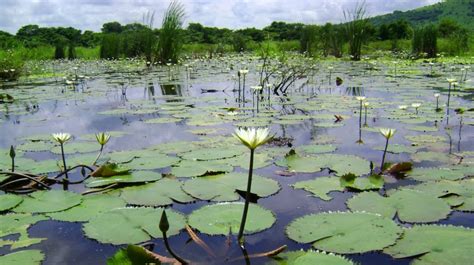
77 111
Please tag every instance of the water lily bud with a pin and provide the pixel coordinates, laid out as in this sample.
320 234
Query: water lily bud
164 225
12 152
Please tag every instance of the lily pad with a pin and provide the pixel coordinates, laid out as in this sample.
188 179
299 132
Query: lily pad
213 153
409 205
320 186
48 201
309 258
154 161
224 187
219 219
316 148
160 193
132 255
344 232
25 257
425 174
8 201
187 168
131 225
435 244
133 177
18 223
91 206
77 147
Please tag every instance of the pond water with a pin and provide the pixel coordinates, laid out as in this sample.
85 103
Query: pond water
181 114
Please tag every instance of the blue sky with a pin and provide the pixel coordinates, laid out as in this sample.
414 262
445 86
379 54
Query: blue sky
91 14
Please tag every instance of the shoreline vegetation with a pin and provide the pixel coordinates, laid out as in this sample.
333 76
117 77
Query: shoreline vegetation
359 37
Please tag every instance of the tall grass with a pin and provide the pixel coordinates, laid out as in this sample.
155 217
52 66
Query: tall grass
308 41
355 29
110 46
170 39
11 64
425 41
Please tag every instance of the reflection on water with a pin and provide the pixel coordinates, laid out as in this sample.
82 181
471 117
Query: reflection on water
171 90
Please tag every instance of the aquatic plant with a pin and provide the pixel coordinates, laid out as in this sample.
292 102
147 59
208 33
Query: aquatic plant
451 82
243 73
356 29
12 156
252 138
387 133
436 95
62 138
170 39
366 106
102 138
256 93
164 227
416 106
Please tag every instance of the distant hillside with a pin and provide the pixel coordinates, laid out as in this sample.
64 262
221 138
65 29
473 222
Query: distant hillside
461 11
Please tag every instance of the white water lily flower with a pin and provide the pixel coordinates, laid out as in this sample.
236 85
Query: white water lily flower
252 137
243 71
416 105
256 88
451 80
360 98
403 107
61 137
436 95
102 138
366 104
387 133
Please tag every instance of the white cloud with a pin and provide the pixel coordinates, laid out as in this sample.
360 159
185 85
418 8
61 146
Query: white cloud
91 14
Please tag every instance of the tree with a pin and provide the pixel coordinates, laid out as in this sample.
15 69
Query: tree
112 27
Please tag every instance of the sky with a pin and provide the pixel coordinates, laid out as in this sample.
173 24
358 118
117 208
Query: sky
234 14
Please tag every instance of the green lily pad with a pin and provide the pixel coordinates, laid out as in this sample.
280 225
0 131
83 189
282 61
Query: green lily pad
8 201
398 149
214 153
155 161
17 223
160 193
342 164
24 257
459 194
435 244
133 177
316 148
320 186
344 232
91 206
48 201
425 174
433 156
351 181
131 225
219 219
163 120
36 146
409 205
77 147
260 160
309 258
425 138
187 168
224 187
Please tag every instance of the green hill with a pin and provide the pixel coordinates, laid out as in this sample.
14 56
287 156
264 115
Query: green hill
461 11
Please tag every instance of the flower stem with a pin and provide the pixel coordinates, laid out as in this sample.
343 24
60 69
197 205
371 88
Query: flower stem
383 157
247 200
165 239
66 178
98 155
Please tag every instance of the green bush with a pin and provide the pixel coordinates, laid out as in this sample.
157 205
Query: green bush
11 64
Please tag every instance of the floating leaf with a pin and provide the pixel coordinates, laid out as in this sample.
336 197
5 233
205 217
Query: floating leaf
17 223
435 244
320 186
91 206
309 258
133 177
48 201
219 219
131 225
213 153
187 168
424 174
316 148
8 201
160 193
344 232
77 147
409 205
373 182
109 170
155 161
224 187
25 257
